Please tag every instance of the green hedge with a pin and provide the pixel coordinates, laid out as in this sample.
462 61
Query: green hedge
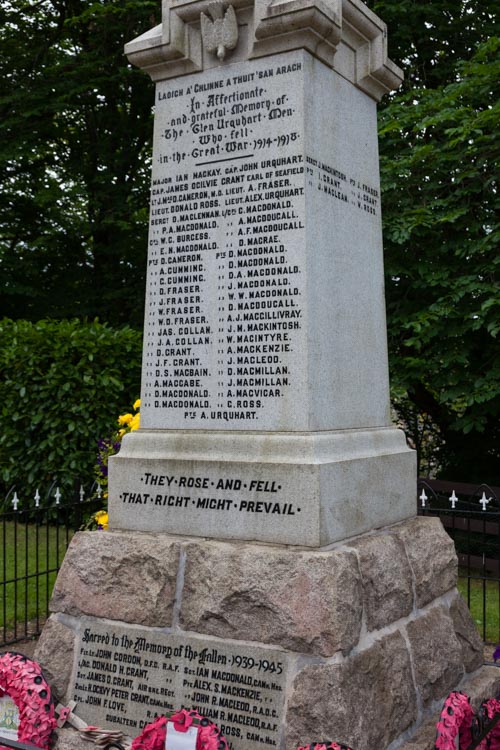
62 386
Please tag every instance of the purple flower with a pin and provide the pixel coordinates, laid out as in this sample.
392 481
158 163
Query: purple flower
496 653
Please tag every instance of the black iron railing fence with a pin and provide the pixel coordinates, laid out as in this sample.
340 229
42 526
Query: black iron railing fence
35 533
471 516
34 536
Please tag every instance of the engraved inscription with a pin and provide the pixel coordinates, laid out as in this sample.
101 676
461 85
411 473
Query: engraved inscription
225 274
127 676
261 496
340 187
226 319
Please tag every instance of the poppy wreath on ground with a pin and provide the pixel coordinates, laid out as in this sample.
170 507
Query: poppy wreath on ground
492 707
153 735
456 721
22 680
324 746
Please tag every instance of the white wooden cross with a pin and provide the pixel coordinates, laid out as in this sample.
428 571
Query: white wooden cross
423 498
57 495
15 501
453 500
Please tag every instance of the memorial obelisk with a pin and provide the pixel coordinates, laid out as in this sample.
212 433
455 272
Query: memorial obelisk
264 563
265 390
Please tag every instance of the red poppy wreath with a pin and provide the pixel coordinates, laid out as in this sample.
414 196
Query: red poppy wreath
454 728
22 680
153 735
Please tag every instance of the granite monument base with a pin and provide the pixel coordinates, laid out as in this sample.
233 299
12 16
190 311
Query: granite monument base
308 489
280 646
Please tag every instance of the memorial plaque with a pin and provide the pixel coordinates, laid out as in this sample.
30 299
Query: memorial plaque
125 676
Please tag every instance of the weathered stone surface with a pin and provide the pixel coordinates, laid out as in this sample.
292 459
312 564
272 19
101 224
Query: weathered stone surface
277 29
386 579
432 557
129 577
366 702
466 632
303 601
482 685
54 652
436 654
425 737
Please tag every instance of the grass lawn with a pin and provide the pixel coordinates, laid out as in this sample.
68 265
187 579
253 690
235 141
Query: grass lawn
24 549
483 596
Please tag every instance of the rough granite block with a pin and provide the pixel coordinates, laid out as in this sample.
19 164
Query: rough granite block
365 702
432 556
304 601
386 579
436 654
129 577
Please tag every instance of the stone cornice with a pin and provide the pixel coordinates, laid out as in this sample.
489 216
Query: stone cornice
344 34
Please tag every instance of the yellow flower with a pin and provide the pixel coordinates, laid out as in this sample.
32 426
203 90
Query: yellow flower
101 518
137 404
122 432
125 418
135 422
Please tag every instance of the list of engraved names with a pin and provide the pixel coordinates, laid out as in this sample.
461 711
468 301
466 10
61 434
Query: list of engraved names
127 676
225 281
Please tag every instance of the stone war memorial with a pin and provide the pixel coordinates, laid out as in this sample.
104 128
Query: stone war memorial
264 563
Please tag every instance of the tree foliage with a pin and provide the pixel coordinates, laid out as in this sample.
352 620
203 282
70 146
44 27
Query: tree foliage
428 38
62 386
439 162
75 156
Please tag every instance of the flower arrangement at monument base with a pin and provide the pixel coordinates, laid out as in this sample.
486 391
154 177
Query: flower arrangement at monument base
110 445
459 727
107 447
22 681
205 735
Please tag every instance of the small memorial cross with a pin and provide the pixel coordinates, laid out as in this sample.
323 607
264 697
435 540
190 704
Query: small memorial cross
484 501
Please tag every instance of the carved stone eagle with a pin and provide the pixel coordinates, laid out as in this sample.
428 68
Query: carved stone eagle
220 33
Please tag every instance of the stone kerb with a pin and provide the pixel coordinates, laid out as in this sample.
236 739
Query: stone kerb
367 661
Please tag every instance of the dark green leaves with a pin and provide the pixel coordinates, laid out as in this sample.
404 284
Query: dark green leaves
439 163
62 387
75 133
